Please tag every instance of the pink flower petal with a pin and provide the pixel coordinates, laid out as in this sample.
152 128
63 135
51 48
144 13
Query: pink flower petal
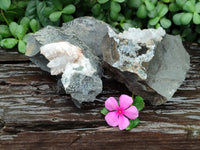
131 112
111 104
112 119
125 101
123 122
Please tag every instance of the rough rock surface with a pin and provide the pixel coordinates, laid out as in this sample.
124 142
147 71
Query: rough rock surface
167 69
89 30
82 87
150 66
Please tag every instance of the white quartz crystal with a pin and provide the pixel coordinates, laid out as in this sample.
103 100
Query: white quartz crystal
135 47
65 56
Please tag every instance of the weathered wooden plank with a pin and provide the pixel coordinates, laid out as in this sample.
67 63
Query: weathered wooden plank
11 56
34 111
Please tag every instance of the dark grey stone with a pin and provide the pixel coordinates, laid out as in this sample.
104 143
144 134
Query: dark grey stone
89 30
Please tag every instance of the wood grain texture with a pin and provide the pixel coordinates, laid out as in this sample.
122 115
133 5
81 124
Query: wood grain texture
35 114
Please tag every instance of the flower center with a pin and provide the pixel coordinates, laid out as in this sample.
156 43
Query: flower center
120 111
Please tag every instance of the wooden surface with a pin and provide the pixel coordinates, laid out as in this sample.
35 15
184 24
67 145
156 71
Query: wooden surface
35 114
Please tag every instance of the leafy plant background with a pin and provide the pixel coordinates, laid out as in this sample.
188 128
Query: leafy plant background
18 18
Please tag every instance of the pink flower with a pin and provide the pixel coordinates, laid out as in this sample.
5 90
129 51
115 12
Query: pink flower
119 114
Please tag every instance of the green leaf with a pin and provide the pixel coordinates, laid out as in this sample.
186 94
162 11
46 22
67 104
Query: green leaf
177 18
115 7
4 31
141 12
154 2
48 10
9 43
5 4
158 25
119 1
21 31
149 5
166 1
186 18
31 9
114 15
165 23
163 11
44 21
57 4
134 3
121 18
18 31
153 13
34 25
21 47
104 111
13 28
173 7
96 9
189 6
102 1
153 21
25 22
196 18
67 18
69 9
197 7
139 103
133 124
55 16
180 3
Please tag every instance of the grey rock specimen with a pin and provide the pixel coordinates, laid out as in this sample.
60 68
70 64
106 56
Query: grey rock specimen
89 30
81 76
149 62
167 69
149 66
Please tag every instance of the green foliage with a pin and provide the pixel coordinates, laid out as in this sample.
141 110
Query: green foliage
133 124
34 25
5 4
104 111
9 43
4 31
139 103
19 17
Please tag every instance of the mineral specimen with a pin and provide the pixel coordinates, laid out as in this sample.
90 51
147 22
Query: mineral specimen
67 55
89 30
150 63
